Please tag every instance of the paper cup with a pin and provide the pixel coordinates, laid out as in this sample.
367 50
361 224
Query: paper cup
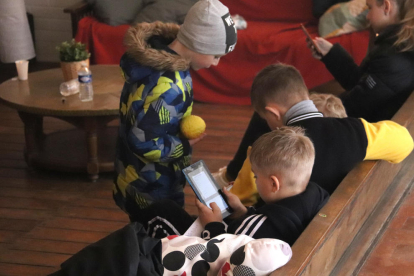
22 69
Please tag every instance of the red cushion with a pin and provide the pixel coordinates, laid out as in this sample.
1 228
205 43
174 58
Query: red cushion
296 11
231 80
261 44
105 42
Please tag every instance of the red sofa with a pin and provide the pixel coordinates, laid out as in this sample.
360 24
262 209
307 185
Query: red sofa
273 35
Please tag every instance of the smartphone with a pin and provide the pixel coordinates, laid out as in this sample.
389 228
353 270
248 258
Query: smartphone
311 40
205 187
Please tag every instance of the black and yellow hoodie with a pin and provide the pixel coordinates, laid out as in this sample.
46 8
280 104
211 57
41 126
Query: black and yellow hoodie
340 144
157 94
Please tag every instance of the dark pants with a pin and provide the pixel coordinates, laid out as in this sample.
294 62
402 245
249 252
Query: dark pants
257 127
163 218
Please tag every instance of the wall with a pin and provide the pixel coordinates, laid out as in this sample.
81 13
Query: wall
52 26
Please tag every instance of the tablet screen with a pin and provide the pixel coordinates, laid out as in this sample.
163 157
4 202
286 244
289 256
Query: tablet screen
204 186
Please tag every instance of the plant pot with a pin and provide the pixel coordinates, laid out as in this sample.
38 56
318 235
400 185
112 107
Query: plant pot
70 69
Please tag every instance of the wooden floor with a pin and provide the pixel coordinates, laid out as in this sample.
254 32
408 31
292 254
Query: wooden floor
394 254
45 217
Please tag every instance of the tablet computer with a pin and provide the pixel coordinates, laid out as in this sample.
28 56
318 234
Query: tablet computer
205 188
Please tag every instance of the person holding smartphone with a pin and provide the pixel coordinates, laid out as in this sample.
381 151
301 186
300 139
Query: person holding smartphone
380 85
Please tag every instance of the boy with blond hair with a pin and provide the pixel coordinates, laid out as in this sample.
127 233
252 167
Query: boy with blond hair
245 185
328 104
282 161
157 94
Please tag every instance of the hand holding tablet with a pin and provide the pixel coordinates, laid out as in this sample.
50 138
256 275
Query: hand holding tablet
205 188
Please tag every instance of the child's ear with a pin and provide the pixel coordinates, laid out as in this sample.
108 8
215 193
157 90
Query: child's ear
274 111
275 183
387 7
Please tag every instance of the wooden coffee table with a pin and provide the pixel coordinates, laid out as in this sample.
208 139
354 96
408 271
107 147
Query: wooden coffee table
90 146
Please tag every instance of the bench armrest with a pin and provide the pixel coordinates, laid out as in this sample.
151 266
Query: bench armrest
77 12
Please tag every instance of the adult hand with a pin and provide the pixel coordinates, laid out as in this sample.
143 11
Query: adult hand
323 45
239 209
196 140
207 215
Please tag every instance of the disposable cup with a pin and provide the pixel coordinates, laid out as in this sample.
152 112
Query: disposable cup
22 69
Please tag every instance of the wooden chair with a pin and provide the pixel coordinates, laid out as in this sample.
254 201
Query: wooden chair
77 12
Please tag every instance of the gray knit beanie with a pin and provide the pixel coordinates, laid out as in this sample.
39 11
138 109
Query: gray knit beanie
208 29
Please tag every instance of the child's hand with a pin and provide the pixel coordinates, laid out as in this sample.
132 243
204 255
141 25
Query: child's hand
196 140
207 215
323 45
239 209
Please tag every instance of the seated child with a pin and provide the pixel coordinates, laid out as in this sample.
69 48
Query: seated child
328 104
282 161
279 95
379 86
157 94
245 184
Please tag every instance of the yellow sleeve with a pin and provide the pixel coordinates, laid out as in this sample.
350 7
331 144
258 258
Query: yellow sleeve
388 141
244 187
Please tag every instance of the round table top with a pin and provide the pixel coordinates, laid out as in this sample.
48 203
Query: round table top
40 93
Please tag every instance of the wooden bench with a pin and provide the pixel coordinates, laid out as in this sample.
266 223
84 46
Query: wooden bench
342 235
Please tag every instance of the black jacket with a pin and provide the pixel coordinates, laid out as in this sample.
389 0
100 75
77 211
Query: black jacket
340 144
380 85
285 219
126 252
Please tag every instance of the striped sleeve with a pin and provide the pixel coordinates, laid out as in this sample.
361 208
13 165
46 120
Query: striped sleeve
250 225
388 141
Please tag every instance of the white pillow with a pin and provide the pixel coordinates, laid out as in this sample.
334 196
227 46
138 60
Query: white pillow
226 253
195 256
259 257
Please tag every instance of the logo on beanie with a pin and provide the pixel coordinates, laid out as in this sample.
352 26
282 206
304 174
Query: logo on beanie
231 32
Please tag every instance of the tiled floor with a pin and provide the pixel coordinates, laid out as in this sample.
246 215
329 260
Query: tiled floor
394 254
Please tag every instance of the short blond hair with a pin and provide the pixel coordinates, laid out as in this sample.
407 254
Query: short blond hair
328 104
278 83
285 152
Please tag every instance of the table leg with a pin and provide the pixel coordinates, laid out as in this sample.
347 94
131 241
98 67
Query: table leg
33 132
92 147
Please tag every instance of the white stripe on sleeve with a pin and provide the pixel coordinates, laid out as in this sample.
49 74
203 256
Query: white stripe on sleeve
257 226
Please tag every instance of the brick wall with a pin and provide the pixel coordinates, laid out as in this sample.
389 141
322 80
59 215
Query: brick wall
52 26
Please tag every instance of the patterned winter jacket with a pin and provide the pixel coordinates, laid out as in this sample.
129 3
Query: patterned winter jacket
157 94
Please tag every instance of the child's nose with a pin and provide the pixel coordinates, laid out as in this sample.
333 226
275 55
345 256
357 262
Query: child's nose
216 61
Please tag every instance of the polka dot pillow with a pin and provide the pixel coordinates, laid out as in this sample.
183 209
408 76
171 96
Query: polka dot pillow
226 254
257 258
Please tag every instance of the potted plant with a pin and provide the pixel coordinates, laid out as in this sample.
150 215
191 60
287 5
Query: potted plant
72 55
